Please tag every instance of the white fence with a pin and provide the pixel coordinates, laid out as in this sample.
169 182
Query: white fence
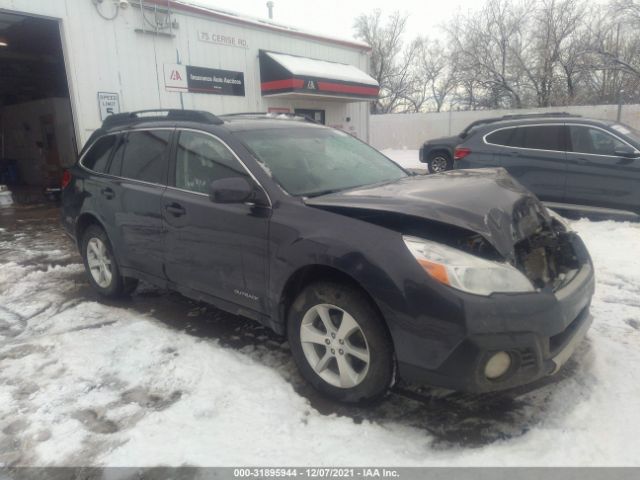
411 130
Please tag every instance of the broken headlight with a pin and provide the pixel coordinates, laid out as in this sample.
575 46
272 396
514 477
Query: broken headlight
560 219
466 272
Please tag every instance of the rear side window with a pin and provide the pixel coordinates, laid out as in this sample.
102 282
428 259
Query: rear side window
542 137
501 137
145 156
594 141
202 159
97 157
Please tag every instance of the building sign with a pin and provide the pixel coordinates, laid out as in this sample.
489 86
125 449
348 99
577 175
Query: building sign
187 78
227 40
109 104
175 78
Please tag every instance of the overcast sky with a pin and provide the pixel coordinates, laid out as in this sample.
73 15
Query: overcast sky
335 17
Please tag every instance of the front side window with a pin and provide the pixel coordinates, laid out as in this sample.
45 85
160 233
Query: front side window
144 156
594 141
97 157
201 159
309 161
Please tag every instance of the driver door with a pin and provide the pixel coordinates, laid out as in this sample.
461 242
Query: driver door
217 249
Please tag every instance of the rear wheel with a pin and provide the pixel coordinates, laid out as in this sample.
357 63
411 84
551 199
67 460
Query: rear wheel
101 266
439 162
339 343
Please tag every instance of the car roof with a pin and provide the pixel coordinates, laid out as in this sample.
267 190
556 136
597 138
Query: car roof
196 119
544 120
200 119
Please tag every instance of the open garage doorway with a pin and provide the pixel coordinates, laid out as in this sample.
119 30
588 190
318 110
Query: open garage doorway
37 136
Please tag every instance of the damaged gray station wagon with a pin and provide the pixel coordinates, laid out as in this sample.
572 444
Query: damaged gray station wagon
462 279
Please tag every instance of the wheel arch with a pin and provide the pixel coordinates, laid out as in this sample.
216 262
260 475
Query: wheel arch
85 221
310 274
439 151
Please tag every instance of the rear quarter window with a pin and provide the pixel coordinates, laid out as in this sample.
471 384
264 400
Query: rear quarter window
97 158
500 137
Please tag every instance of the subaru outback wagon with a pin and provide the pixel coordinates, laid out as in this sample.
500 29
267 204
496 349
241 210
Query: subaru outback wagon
463 280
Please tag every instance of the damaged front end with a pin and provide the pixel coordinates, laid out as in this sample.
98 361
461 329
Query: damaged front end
484 213
549 256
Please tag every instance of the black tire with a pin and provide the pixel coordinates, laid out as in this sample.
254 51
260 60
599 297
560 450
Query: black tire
119 286
379 375
439 158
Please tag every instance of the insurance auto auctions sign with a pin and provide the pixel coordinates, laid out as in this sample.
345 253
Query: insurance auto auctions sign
187 78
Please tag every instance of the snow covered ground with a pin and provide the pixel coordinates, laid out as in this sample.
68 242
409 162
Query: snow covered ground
161 380
405 158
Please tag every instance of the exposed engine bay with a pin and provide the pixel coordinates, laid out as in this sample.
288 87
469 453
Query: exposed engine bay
548 259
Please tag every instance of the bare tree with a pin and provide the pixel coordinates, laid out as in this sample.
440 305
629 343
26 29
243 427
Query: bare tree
390 60
435 74
487 45
551 31
510 54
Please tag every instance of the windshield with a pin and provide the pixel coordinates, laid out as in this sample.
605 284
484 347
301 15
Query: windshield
314 161
630 132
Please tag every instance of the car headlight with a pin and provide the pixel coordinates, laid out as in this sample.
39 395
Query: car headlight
466 272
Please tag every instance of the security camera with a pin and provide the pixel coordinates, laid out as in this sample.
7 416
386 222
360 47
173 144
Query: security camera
123 4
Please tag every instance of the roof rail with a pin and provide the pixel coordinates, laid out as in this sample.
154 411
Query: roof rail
515 116
159 115
271 115
534 115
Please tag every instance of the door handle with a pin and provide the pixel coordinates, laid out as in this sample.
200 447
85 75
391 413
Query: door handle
108 193
175 209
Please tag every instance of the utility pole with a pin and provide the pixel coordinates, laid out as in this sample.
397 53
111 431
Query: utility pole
619 116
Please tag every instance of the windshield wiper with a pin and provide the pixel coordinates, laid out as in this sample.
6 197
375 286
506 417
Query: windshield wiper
336 190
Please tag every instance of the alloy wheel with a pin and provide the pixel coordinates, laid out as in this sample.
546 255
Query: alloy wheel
99 262
439 164
335 346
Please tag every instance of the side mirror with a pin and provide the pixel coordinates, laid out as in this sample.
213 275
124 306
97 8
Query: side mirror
626 152
231 190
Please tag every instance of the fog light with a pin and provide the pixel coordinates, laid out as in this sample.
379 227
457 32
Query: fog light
497 365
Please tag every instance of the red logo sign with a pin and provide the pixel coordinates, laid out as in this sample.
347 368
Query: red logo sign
175 75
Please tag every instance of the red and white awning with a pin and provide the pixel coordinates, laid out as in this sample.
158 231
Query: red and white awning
290 75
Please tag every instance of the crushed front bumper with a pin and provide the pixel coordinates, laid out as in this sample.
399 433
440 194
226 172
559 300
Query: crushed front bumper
540 332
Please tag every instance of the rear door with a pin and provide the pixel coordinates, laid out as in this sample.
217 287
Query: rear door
217 249
535 155
597 176
140 165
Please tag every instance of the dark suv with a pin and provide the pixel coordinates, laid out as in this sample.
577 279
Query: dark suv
438 153
462 279
571 163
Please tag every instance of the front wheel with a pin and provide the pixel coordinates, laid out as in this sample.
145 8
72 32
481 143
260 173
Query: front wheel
339 343
439 162
101 266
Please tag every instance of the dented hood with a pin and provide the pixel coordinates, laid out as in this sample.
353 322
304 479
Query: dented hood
487 201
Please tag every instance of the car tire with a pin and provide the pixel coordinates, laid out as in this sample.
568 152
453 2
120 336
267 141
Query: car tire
350 362
439 162
101 265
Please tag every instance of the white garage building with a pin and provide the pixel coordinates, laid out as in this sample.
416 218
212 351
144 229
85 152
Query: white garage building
66 64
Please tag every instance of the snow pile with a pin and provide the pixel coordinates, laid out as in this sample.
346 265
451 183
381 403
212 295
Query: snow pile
405 158
90 383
